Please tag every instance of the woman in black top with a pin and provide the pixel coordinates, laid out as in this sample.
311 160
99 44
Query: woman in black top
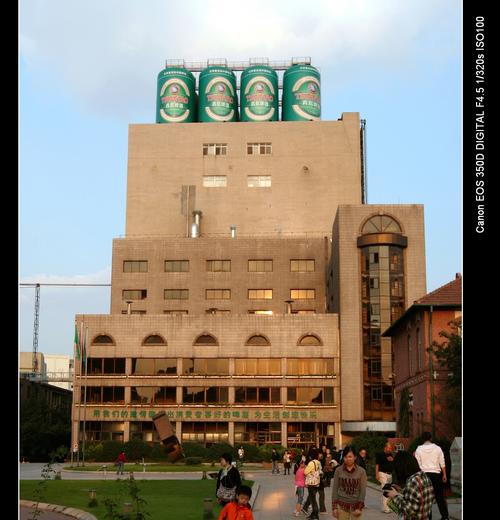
228 480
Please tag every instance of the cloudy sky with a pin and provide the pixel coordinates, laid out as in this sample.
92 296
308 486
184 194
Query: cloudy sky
88 69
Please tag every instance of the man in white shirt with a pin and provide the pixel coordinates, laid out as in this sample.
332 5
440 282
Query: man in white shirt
430 458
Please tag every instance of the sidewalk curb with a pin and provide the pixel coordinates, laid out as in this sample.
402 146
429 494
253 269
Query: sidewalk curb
255 492
69 511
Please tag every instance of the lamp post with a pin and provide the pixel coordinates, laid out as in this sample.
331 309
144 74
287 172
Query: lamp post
208 506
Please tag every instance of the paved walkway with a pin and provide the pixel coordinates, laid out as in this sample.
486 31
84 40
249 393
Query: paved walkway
26 512
275 499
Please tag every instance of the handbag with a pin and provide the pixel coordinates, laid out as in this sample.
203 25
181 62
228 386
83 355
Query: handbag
313 478
225 494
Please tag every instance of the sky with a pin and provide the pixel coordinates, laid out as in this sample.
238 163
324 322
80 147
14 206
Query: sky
88 69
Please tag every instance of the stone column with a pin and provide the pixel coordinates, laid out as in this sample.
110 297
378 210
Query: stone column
230 425
456 465
284 434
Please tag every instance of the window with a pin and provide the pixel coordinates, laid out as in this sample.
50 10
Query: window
152 395
219 266
134 294
176 311
310 339
205 339
381 224
258 311
215 149
260 266
202 395
257 367
259 181
206 433
102 339
176 294
176 266
134 311
375 368
214 310
217 294
257 339
154 366
260 294
154 339
135 266
310 395
214 181
104 394
303 311
310 367
205 366
259 148
254 395
105 366
302 266
302 294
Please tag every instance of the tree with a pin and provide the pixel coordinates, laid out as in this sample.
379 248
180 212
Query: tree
449 356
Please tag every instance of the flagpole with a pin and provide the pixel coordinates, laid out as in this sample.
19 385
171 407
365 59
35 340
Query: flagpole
74 397
80 396
84 355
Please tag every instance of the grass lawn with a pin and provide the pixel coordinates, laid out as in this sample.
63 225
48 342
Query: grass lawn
165 499
138 468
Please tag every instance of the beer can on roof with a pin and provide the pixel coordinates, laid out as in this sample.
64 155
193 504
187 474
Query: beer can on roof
259 94
218 99
301 94
175 100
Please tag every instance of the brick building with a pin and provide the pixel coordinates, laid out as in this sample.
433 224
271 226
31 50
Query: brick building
416 375
250 289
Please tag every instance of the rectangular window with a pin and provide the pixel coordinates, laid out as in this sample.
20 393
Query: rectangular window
258 311
259 181
304 311
257 367
98 366
215 149
260 266
219 266
176 311
260 294
134 311
310 367
201 395
135 266
259 148
176 294
302 266
213 310
154 366
217 294
205 366
176 266
214 181
134 294
152 395
302 294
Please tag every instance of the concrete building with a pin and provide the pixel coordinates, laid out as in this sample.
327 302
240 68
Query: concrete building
421 397
250 288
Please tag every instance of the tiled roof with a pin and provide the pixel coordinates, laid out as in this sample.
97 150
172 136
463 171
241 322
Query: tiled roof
448 294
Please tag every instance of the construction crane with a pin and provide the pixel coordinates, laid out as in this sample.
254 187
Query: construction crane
35 329
34 368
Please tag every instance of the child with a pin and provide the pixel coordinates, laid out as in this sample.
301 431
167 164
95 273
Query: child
299 486
239 509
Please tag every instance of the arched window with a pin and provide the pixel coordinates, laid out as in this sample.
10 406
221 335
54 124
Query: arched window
103 339
258 339
154 339
310 340
205 339
381 224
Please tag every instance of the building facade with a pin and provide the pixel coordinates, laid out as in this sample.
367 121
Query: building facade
245 289
421 382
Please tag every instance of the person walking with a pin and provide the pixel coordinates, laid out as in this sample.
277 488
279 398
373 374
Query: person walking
383 471
274 460
241 455
120 463
287 462
300 486
312 481
430 458
361 458
228 480
414 500
348 488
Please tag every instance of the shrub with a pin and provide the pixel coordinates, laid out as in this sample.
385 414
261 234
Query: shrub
252 453
135 449
93 451
193 449
158 453
214 452
266 449
373 443
110 451
192 461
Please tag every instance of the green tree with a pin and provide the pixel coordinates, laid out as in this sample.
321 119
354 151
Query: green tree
449 356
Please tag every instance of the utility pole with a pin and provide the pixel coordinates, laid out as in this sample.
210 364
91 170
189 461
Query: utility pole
35 329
